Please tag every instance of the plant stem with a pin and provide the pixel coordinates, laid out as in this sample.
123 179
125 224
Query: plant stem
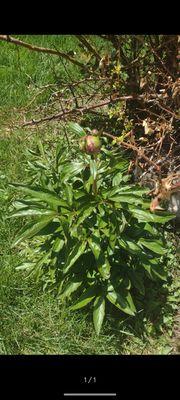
94 186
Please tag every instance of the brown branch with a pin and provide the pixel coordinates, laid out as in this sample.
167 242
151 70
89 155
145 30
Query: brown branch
133 147
78 110
88 45
167 110
74 83
32 47
160 60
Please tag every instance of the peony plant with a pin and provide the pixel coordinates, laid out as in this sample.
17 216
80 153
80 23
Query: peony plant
91 237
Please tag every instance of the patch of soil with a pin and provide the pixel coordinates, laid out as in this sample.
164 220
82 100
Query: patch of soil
176 335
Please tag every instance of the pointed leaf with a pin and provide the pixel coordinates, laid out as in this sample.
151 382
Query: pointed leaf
25 265
155 246
123 198
85 298
129 245
118 300
19 204
72 169
70 288
147 216
137 281
130 302
85 212
103 266
98 313
27 211
31 229
58 245
73 256
117 179
76 129
151 229
42 194
69 194
94 244
153 267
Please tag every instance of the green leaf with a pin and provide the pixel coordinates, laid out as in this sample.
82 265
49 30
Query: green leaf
120 165
109 193
88 183
129 245
93 168
130 302
42 194
76 129
103 266
69 194
94 244
118 300
32 229
158 270
153 267
70 288
135 190
137 281
85 298
60 152
41 148
155 246
131 199
72 169
27 211
58 245
124 190
151 229
40 165
117 179
147 216
112 241
19 204
25 266
73 256
98 313
123 224
85 212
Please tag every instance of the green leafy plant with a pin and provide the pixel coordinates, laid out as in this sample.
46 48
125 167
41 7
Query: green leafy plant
92 238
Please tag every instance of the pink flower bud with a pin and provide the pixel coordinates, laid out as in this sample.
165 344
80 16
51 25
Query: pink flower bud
90 144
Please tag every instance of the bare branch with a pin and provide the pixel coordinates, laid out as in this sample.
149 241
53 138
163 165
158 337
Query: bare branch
140 152
32 47
88 45
80 110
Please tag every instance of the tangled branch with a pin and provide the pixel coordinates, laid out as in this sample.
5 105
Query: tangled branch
46 50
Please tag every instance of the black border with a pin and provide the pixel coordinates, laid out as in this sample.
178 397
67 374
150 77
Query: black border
89 17
50 376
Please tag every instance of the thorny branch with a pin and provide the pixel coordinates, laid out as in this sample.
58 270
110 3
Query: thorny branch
33 47
80 110
139 151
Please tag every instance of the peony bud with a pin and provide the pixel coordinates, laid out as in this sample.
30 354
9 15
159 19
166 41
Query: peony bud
90 144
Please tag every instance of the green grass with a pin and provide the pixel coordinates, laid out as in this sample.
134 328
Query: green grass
31 321
22 71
